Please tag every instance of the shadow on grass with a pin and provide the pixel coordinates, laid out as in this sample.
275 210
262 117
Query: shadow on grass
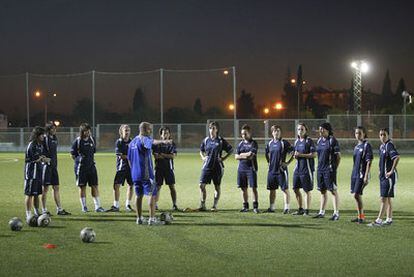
102 242
258 224
6 236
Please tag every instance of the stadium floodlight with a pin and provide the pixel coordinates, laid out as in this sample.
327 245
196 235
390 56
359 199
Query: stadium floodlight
359 66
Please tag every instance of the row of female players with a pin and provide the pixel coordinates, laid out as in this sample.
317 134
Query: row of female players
41 155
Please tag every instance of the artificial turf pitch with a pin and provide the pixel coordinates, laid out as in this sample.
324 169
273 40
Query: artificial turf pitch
204 243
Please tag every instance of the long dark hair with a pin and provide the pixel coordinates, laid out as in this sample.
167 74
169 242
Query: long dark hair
49 126
327 126
36 132
362 128
83 128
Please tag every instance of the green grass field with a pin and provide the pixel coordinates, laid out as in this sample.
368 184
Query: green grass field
222 243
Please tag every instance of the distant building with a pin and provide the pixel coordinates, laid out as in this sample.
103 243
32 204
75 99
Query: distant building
3 121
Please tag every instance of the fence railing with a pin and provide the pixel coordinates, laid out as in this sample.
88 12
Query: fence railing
188 136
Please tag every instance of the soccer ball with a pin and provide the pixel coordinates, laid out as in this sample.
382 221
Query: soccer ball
43 220
166 218
87 235
32 221
15 224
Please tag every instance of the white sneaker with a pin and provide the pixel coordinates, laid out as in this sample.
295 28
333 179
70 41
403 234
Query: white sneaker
154 221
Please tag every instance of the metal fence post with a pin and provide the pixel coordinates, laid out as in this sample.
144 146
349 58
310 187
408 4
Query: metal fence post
179 134
359 120
391 125
72 137
21 139
266 131
98 134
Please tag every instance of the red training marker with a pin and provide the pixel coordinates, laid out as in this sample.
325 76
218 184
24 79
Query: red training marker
49 246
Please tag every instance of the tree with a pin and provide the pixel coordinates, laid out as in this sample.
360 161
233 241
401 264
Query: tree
386 94
139 102
245 105
197 108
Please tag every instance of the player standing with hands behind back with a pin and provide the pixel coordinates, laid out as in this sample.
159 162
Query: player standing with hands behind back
213 168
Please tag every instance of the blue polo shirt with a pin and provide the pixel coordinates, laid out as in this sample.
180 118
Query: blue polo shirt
362 155
213 148
304 166
276 152
327 149
245 147
387 153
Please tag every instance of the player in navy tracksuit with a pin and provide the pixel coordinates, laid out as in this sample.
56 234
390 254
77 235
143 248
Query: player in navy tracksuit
277 176
50 174
34 159
123 171
164 155
304 169
389 158
329 157
83 152
246 154
361 170
213 168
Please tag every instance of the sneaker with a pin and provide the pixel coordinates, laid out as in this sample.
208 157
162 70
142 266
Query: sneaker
85 209
256 210
47 212
356 220
301 211
375 224
319 216
141 220
202 208
334 217
112 209
213 209
269 210
63 212
306 213
175 208
154 221
128 208
361 221
386 223
100 210
244 210
286 211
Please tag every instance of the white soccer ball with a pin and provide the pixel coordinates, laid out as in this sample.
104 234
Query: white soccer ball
166 218
32 220
43 220
87 235
15 224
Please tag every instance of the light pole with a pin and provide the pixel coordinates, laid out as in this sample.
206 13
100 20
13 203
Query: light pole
359 67
406 96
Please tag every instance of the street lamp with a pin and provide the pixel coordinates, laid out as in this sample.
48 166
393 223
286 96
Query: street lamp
38 94
278 106
231 107
359 67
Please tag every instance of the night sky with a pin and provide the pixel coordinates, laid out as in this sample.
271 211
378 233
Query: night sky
260 38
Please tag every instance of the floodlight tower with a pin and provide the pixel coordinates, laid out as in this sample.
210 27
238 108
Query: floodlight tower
359 68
